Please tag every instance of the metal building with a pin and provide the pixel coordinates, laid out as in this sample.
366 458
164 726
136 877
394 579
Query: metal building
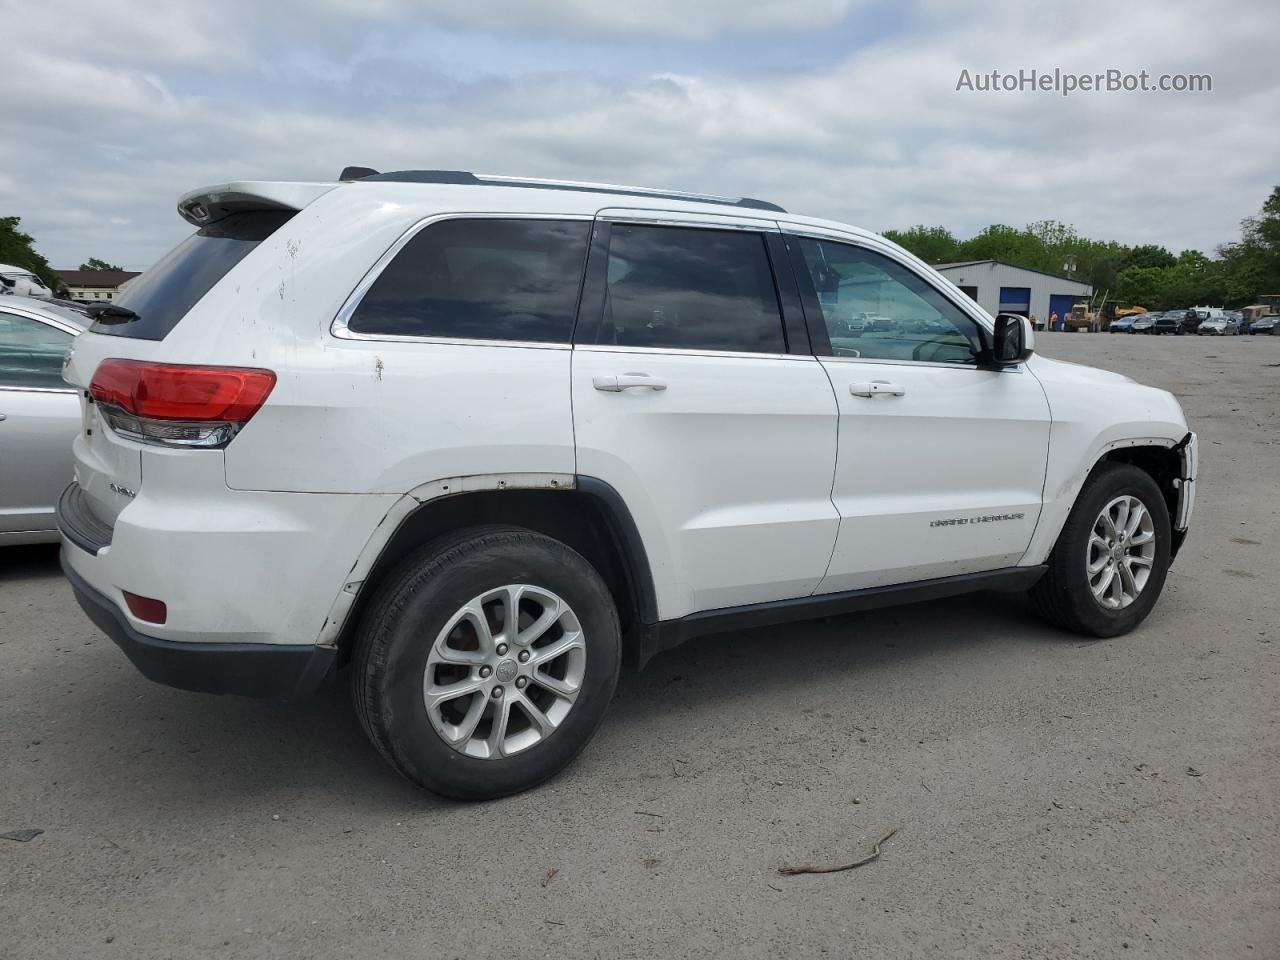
1001 287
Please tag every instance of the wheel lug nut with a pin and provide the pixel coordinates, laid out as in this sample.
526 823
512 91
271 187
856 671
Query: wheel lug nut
502 649
497 693
485 671
522 682
524 656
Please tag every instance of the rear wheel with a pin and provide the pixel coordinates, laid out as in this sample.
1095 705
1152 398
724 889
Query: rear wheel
486 661
1108 567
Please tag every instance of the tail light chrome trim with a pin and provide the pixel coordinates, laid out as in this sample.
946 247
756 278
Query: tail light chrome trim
178 405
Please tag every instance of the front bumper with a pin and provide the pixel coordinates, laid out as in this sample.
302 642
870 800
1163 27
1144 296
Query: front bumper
283 672
1189 460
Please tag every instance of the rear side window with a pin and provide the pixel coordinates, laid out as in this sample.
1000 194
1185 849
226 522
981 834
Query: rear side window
480 279
163 295
690 289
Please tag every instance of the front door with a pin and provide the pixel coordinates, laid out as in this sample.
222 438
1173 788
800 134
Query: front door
690 400
942 463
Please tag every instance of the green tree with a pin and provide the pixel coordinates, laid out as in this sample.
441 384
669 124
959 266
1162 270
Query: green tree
1147 274
1144 286
1002 242
1252 265
1194 280
95 264
1147 255
17 248
930 244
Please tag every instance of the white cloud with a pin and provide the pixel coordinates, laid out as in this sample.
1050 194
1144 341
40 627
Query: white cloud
97 148
671 18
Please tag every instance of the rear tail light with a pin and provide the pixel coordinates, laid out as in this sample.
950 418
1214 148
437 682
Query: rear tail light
177 405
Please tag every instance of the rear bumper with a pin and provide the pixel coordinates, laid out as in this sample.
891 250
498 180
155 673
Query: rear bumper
283 672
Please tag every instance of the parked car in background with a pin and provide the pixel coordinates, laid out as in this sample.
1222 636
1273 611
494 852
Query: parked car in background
1265 325
1268 305
1219 326
1124 324
39 415
492 437
1195 316
1144 323
21 282
1174 323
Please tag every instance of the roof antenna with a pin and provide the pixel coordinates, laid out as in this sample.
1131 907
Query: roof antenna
356 173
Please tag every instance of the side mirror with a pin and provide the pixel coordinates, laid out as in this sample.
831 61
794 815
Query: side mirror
1012 341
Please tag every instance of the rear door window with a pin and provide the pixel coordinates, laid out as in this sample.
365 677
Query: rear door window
480 279
163 295
690 289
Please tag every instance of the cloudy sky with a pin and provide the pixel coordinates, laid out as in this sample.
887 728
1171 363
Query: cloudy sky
840 108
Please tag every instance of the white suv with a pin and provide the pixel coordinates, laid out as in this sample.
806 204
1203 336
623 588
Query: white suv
483 439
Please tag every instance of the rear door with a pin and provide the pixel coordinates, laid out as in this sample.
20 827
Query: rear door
942 462
696 396
39 417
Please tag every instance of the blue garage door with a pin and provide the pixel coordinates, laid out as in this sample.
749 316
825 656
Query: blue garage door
1015 299
1061 303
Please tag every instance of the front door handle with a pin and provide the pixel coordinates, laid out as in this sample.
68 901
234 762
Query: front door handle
616 383
877 388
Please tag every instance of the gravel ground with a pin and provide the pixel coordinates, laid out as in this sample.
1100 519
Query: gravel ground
1053 798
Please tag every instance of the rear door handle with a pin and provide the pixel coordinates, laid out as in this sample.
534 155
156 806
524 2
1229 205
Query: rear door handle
616 383
877 388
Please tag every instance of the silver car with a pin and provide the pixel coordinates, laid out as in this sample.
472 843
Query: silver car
39 415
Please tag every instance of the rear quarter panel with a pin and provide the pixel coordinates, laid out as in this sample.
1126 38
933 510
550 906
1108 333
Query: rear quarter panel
364 416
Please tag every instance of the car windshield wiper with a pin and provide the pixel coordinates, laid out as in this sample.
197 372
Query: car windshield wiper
110 313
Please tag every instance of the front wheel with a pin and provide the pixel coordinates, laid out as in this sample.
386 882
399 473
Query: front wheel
486 661
1108 567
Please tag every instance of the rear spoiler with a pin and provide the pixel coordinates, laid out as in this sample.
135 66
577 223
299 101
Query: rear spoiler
210 204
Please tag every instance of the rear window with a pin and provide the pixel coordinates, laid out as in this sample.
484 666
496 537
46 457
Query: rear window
163 295
480 279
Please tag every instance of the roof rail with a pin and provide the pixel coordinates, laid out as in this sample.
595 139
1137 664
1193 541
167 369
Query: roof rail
472 179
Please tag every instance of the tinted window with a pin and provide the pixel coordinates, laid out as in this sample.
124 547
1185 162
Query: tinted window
31 353
481 280
876 308
163 295
690 289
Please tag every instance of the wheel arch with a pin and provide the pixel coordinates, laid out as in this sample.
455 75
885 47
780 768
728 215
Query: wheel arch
585 513
1170 461
1168 465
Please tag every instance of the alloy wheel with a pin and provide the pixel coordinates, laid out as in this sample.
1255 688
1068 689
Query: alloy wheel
505 671
1121 552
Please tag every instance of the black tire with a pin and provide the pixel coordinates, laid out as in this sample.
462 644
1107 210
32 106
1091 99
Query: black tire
405 616
1062 596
